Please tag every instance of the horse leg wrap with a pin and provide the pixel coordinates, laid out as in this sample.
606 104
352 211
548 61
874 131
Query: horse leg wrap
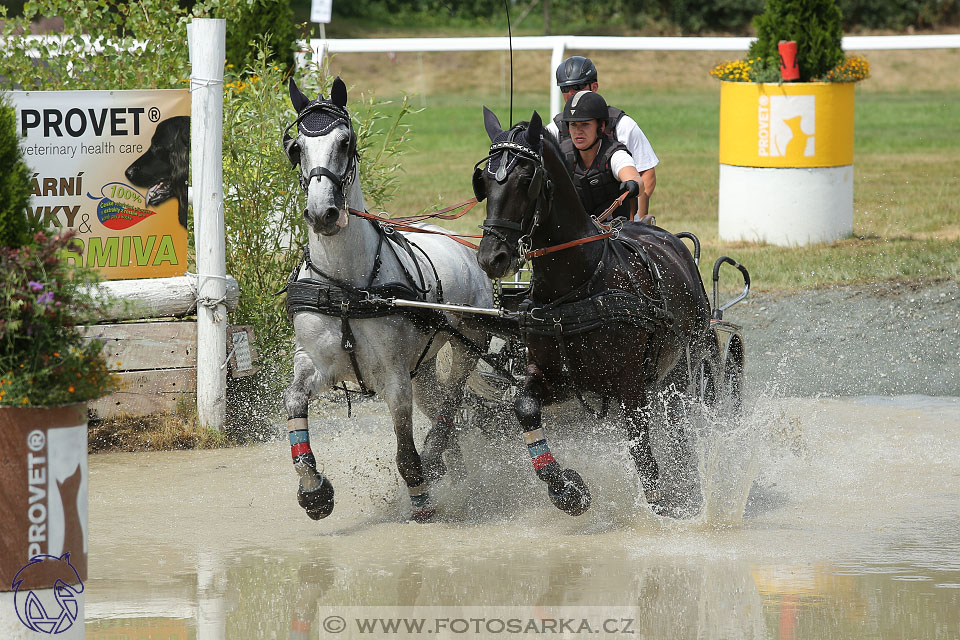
566 488
543 461
423 509
315 493
300 629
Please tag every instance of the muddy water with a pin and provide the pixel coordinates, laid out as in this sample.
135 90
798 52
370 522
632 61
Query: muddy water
829 518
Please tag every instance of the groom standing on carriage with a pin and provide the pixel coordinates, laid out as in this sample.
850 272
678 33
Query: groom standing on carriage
578 73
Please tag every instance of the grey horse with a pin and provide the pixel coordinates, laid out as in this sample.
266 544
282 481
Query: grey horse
349 338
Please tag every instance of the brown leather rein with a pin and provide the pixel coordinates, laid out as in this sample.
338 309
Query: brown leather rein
406 224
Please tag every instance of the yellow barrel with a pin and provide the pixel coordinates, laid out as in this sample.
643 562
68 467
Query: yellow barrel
806 124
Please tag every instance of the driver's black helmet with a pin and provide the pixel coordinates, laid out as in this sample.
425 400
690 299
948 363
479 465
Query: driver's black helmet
576 70
585 105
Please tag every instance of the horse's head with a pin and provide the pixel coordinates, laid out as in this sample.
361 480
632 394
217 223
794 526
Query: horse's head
516 187
325 149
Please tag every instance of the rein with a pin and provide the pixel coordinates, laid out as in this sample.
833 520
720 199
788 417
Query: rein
406 224
610 231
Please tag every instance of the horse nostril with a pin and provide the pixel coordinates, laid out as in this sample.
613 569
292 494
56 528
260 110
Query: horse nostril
500 262
331 215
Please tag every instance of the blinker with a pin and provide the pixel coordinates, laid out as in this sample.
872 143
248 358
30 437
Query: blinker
502 169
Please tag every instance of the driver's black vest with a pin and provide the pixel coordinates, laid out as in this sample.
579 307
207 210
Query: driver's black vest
613 117
596 185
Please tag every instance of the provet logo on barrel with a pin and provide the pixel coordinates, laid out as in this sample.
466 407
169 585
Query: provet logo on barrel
786 126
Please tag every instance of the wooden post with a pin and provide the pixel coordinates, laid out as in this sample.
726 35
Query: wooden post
207 37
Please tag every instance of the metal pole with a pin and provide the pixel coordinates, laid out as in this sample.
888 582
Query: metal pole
207 37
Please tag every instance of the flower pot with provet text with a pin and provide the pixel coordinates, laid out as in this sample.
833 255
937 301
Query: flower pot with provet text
786 162
43 510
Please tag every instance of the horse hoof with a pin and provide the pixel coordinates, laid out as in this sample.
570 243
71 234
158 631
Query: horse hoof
660 509
317 503
572 496
424 514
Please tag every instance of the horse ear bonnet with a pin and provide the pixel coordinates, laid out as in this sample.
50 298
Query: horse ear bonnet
319 118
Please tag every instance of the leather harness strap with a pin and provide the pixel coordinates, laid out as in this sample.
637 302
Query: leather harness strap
608 232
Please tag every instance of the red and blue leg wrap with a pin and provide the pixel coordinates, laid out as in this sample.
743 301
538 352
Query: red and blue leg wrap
300 448
539 450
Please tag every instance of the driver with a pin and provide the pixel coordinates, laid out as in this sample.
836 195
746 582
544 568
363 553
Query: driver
602 167
577 73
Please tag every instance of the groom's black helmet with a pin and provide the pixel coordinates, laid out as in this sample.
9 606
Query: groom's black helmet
576 71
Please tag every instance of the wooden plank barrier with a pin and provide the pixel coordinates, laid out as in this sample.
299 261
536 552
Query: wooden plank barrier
157 364
157 360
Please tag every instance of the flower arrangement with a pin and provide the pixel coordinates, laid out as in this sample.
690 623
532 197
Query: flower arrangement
44 359
815 27
852 69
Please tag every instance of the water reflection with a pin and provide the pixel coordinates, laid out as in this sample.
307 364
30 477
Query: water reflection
849 529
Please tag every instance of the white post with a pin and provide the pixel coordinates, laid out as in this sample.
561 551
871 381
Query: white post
556 98
207 37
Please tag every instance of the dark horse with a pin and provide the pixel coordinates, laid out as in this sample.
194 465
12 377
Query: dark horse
614 311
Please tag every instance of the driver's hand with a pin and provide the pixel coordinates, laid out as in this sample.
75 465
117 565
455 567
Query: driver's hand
631 187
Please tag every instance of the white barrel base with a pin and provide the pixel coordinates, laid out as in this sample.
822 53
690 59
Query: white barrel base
786 207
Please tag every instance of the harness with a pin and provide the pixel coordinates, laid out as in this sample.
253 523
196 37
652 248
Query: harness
333 297
576 313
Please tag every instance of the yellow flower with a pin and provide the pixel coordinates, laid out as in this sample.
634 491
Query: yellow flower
70 389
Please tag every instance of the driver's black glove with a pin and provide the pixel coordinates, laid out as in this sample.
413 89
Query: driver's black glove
631 187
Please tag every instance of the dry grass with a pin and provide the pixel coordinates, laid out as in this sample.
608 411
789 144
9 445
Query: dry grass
485 75
158 432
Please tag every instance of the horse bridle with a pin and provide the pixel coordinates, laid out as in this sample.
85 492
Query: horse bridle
539 188
292 149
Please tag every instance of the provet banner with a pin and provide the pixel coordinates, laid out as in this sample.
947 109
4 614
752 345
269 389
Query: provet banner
112 165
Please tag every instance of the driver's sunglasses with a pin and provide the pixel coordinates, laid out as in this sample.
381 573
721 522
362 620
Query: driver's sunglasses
575 87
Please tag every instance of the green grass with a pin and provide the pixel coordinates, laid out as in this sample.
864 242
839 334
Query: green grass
906 193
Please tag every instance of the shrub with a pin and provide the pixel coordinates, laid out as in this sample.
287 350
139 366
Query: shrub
816 26
252 21
15 227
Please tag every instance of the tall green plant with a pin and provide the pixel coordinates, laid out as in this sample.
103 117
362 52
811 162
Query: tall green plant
815 25
252 21
16 228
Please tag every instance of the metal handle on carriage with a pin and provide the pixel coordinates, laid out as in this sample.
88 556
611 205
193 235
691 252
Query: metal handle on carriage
718 311
696 245
452 308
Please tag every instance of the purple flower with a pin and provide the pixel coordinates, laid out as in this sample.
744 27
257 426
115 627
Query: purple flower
36 286
45 298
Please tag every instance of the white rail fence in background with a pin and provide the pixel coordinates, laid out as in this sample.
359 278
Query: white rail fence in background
559 44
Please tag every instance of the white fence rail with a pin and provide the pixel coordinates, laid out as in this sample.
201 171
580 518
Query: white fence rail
559 44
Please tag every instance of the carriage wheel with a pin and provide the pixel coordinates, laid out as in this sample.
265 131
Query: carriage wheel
705 386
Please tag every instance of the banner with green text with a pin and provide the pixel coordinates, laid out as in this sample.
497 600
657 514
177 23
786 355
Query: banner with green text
112 165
